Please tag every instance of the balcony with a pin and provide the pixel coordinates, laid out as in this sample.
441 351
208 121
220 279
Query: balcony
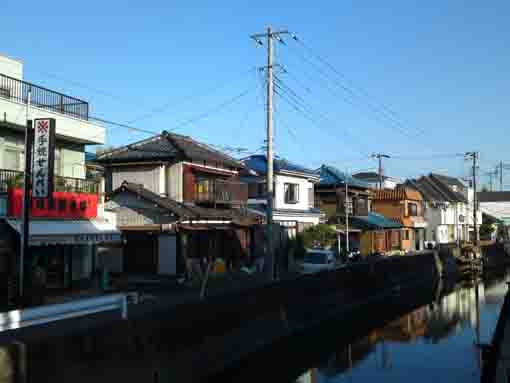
17 90
13 178
217 191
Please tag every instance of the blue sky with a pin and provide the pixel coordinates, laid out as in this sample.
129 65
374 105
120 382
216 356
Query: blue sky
441 67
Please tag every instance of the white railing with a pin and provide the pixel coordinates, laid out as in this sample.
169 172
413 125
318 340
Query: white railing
18 319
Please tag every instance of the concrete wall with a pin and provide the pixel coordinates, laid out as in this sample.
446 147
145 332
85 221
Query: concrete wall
174 185
13 113
72 155
148 176
304 185
11 67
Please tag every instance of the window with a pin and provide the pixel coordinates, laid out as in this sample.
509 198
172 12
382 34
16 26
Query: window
291 193
412 209
406 235
311 198
13 159
361 207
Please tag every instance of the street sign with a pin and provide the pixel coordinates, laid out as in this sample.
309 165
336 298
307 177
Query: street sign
44 156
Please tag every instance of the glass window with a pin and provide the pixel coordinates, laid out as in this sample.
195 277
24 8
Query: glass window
311 198
12 159
412 209
406 235
291 193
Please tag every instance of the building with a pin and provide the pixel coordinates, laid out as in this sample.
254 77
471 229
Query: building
495 204
405 206
293 192
65 228
445 210
373 179
368 232
458 186
175 198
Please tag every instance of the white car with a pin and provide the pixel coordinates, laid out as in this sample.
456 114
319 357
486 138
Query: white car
318 260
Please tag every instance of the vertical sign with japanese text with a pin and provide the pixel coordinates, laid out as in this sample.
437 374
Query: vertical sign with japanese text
43 159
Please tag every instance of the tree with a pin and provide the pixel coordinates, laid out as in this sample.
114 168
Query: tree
488 226
321 235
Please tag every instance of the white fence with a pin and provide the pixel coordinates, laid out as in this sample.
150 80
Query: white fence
18 319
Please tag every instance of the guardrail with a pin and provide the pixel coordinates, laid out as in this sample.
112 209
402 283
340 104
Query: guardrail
18 319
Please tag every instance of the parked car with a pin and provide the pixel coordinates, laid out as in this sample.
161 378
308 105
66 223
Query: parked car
317 260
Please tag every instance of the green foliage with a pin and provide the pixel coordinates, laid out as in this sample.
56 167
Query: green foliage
322 235
15 181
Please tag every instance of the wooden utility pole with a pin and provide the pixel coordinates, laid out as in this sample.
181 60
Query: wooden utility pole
269 35
380 156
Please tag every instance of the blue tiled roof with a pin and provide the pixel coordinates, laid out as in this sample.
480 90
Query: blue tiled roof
258 163
375 221
330 175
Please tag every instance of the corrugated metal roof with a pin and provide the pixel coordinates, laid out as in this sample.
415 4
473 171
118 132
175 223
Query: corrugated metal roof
374 221
330 175
258 163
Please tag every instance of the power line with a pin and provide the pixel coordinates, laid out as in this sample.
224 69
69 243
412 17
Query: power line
172 105
342 75
377 115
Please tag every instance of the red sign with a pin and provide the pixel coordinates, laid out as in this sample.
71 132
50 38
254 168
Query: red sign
62 205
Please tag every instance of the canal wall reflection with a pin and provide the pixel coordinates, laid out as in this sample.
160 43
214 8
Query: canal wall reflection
455 311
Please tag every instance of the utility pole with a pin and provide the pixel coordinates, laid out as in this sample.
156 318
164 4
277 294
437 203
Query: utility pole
25 235
380 156
501 176
474 157
346 216
269 35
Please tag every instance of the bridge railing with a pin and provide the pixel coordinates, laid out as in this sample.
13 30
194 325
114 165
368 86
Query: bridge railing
18 319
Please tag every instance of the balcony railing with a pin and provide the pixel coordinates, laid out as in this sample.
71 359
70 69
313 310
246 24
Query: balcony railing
222 192
17 90
13 178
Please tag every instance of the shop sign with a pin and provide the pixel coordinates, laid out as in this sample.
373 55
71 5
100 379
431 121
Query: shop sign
44 155
97 238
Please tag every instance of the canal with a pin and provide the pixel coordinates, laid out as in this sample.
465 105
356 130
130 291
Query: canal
436 341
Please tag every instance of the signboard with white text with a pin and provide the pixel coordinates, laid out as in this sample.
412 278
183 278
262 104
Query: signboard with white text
43 159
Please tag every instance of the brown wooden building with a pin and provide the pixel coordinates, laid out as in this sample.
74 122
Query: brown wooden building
403 205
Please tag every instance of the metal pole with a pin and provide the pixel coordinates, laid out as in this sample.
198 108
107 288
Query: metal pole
380 171
475 200
501 176
346 216
269 125
26 197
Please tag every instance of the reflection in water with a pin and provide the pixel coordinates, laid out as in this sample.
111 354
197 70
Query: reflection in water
437 342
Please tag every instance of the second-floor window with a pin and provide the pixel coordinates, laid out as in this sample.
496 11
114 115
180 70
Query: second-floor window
412 209
311 199
291 192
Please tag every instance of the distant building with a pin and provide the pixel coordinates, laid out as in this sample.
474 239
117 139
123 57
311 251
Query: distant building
373 179
496 204
445 208
293 192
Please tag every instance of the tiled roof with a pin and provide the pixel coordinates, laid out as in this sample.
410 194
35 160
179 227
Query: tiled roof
167 146
330 175
258 163
179 209
452 181
398 194
502 196
369 176
434 189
